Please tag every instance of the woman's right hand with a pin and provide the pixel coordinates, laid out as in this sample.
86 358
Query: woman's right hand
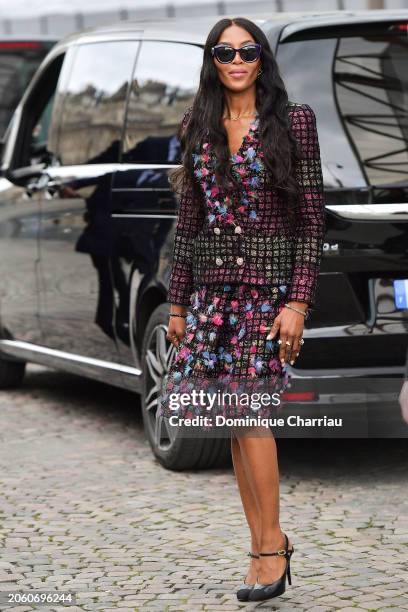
176 328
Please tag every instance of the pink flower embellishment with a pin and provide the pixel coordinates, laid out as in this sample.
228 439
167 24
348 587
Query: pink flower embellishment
249 314
263 328
234 304
215 191
200 346
216 300
205 145
234 339
253 349
241 209
202 317
252 371
217 319
254 293
205 171
190 336
274 363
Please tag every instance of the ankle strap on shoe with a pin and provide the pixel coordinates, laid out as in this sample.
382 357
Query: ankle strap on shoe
251 554
281 553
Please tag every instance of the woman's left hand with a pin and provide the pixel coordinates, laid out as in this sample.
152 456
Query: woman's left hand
290 325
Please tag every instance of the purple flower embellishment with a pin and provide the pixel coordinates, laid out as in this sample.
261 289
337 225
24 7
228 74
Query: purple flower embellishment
250 153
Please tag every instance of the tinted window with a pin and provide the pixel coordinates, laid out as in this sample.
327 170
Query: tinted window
94 102
38 130
18 62
371 85
165 81
358 87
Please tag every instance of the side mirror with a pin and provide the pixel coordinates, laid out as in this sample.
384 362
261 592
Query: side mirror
19 176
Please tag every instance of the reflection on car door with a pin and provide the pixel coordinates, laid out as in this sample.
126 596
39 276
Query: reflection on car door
143 204
20 196
75 237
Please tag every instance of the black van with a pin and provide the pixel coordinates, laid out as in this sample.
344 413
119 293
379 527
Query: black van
87 217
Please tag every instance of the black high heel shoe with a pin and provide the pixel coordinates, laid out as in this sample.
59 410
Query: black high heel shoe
261 592
245 589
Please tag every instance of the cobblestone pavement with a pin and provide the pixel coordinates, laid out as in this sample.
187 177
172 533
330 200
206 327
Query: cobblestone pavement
85 507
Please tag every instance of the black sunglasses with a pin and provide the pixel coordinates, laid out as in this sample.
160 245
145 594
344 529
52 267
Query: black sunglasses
225 54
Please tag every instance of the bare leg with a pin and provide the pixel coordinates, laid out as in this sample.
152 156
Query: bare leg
260 461
251 510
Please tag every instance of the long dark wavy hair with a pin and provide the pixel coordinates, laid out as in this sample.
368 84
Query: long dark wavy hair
278 143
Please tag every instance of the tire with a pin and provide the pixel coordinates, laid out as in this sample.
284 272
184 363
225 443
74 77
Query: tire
171 448
11 373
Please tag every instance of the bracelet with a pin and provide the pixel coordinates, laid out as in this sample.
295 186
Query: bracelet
173 314
295 309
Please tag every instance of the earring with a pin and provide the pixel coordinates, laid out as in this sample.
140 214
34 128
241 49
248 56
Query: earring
259 72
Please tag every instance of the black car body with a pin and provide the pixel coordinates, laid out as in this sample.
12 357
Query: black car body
87 216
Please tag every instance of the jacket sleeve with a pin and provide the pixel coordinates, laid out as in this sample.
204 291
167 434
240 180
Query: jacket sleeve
189 222
310 211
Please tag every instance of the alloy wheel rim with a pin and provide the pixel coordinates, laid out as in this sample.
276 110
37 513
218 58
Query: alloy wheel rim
159 356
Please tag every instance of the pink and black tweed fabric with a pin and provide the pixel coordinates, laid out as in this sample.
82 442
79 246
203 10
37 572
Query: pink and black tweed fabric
247 236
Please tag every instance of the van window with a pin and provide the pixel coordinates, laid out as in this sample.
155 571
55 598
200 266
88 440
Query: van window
38 126
19 60
164 84
357 83
94 103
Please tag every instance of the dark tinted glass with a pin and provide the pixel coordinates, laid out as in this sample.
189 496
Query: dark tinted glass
358 87
371 86
94 102
18 62
165 82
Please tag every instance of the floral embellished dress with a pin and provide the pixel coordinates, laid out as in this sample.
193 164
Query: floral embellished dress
225 345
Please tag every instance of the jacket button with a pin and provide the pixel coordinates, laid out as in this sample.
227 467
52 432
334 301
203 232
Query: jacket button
218 261
238 229
240 261
217 230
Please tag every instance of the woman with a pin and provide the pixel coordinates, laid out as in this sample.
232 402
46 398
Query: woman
246 259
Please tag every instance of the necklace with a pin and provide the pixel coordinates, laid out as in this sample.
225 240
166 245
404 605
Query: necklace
239 117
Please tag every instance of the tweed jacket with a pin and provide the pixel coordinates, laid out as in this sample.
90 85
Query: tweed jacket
246 235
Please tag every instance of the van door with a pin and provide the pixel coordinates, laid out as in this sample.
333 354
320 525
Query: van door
26 154
75 237
144 207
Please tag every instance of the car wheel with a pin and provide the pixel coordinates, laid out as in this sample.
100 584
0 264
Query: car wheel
173 450
11 373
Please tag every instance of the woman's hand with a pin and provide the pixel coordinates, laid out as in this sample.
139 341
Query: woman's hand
290 325
177 326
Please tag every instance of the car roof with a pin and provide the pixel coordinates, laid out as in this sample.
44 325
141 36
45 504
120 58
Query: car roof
195 29
29 38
